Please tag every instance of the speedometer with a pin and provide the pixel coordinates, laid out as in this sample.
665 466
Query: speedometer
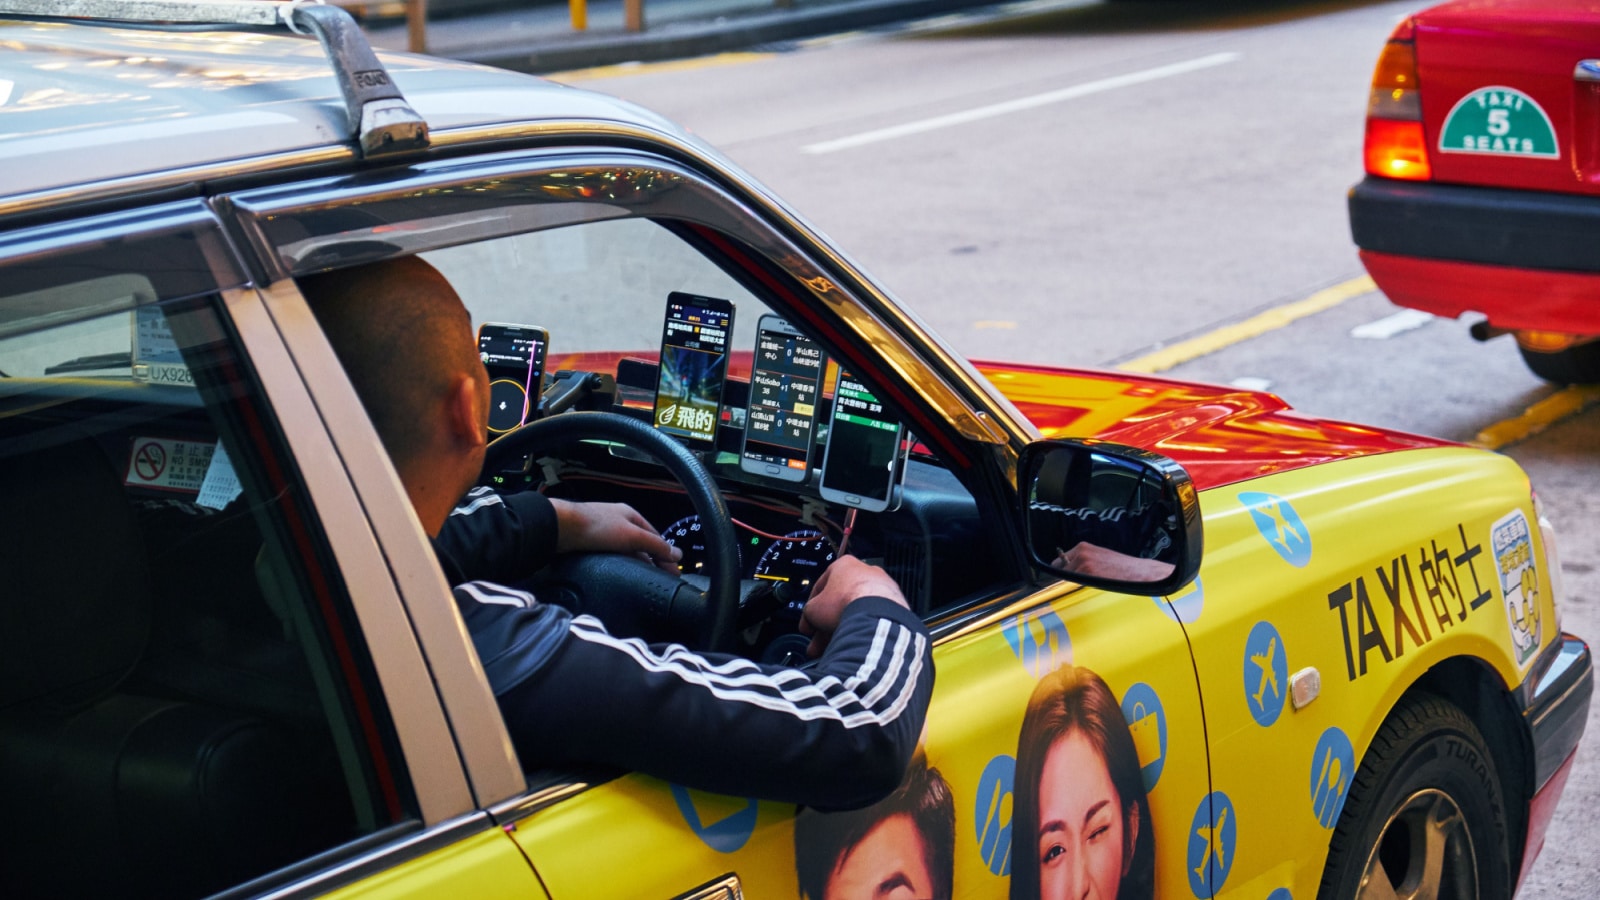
688 535
796 559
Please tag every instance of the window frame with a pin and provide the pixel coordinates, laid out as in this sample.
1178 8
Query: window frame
769 256
428 770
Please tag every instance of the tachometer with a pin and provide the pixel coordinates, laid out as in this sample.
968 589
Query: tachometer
796 559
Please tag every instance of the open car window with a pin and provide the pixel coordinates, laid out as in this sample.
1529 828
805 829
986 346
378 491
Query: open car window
601 291
176 657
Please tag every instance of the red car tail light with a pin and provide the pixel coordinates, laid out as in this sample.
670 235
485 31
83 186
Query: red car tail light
1395 146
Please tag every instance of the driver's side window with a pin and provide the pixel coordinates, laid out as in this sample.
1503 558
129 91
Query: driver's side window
600 291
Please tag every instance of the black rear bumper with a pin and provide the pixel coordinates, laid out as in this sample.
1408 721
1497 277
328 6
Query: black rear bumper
1490 226
1555 702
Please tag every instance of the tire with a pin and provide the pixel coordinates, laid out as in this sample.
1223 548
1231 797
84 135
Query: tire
1578 364
1428 774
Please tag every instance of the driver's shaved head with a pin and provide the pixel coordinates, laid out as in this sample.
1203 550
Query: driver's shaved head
403 336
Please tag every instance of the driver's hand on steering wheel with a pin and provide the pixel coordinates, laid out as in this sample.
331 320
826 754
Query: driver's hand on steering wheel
845 581
611 528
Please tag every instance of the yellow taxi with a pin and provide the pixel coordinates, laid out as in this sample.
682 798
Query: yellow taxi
1187 642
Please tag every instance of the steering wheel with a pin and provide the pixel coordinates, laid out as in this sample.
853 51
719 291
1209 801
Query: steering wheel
623 589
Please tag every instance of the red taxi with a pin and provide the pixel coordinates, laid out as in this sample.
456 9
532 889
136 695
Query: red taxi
1482 192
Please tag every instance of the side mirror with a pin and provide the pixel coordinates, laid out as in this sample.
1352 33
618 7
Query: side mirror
1110 516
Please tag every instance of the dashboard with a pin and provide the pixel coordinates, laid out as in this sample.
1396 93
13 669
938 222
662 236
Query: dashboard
927 534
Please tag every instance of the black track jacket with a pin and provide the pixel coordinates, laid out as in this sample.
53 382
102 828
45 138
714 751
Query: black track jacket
837 733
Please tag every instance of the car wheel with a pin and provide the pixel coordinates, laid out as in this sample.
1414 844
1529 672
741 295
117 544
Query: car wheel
1577 364
1424 818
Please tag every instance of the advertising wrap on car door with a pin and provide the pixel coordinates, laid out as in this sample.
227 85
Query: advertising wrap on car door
1065 752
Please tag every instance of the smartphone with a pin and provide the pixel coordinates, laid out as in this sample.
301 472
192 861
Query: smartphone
514 356
694 362
861 464
781 420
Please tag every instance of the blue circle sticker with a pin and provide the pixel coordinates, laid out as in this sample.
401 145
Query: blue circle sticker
1147 723
1184 607
725 833
992 813
1040 640
1280 894
1266 673
1280 525
1213 838
1333 766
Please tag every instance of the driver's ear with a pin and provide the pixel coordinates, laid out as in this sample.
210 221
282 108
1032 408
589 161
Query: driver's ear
467 411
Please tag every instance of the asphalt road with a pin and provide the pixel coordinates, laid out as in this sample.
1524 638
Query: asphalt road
1089 183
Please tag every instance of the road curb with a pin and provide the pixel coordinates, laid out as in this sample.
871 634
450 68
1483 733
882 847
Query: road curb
677 41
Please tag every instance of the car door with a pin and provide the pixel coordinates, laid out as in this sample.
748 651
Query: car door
208 684
588 245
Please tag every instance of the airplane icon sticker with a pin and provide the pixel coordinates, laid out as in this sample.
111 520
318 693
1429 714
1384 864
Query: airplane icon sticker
1213 836
1266 673
1280 525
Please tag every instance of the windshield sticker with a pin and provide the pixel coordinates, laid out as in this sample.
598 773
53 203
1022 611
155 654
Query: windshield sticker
221 485
1519 582
156 357
168 465
1499 121
1427 595
1266 673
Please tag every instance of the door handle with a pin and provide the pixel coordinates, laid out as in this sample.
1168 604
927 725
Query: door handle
724 888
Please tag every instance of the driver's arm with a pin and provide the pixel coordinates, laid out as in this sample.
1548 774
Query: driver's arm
836 734
506 538
497 537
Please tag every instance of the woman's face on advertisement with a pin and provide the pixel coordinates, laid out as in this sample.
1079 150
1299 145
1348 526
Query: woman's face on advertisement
1081 824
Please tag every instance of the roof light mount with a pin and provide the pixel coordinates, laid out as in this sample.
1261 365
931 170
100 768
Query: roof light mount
381 122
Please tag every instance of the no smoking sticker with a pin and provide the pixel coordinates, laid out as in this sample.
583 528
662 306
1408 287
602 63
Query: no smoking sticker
164 464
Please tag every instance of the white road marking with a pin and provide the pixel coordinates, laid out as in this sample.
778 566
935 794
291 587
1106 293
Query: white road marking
1389 326
1251 383
1020 104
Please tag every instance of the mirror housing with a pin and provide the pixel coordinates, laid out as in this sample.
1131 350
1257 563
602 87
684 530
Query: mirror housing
1110 516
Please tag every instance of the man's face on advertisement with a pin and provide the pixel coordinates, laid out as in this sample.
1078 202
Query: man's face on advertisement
889 863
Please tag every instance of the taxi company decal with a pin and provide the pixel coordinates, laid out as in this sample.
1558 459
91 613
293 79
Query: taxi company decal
1266 673
1184 607
1040 640
1333 767
163 464
1428 594
726 824
1280 525
1519 582
992 813
1499 121
1147 724
1213 837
